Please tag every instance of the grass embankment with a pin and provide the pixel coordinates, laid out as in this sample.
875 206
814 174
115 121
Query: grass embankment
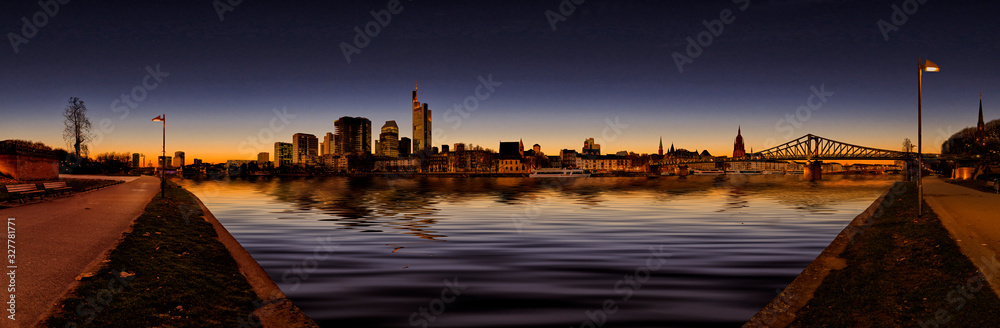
169 271
903 271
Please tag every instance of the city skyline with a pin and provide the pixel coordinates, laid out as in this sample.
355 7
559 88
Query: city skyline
607 67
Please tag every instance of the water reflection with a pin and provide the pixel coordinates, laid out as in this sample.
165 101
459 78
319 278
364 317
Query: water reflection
537 252
410 205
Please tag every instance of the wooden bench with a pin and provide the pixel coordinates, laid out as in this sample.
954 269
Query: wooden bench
993 185
56 187
24 190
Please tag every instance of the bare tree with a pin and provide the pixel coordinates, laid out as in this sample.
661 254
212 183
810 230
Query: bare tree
78 128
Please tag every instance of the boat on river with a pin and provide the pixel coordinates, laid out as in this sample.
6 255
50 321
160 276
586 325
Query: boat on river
559 173
709 172
745 172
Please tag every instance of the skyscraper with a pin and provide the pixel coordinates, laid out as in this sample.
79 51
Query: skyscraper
135 160
421 126
305 148
738 149
388 144
353 135
282 154
328 144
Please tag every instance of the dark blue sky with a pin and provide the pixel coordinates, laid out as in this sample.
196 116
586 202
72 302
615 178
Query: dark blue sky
608 61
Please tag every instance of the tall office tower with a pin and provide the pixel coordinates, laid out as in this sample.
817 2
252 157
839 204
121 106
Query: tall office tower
389 140
282 154
135 160
353 135
421 126
304 148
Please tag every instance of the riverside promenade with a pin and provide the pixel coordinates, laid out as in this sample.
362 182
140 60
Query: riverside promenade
973 218
59 239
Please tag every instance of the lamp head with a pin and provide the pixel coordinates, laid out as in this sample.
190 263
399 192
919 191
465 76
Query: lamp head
930 66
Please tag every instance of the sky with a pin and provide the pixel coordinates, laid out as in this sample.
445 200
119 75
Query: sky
558 72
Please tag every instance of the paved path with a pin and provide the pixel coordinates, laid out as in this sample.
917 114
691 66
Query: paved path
973 218
59 239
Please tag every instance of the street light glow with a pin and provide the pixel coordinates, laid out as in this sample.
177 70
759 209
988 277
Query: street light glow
931 66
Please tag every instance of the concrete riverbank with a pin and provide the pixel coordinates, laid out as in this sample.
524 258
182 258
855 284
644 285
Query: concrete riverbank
891 268
275 310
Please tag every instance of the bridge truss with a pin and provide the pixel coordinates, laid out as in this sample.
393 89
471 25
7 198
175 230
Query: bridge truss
806 148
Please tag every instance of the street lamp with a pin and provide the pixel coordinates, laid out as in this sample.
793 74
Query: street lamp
922 65
163 158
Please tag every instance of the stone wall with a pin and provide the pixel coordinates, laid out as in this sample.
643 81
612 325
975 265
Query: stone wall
28 168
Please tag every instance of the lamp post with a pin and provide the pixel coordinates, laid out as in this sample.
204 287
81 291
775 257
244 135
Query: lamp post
922 65
163 158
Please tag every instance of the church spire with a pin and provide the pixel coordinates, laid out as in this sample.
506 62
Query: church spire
738 147
980 110
661 146
980 126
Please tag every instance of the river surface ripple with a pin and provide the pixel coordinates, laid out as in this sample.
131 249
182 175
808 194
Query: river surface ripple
519 252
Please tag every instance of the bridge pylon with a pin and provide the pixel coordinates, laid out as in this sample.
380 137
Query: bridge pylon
813 171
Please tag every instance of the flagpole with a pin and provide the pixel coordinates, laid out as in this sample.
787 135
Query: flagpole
163 173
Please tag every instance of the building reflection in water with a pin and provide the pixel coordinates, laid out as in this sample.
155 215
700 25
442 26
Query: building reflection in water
411 205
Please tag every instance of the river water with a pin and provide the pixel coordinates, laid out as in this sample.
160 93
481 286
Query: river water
519 252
